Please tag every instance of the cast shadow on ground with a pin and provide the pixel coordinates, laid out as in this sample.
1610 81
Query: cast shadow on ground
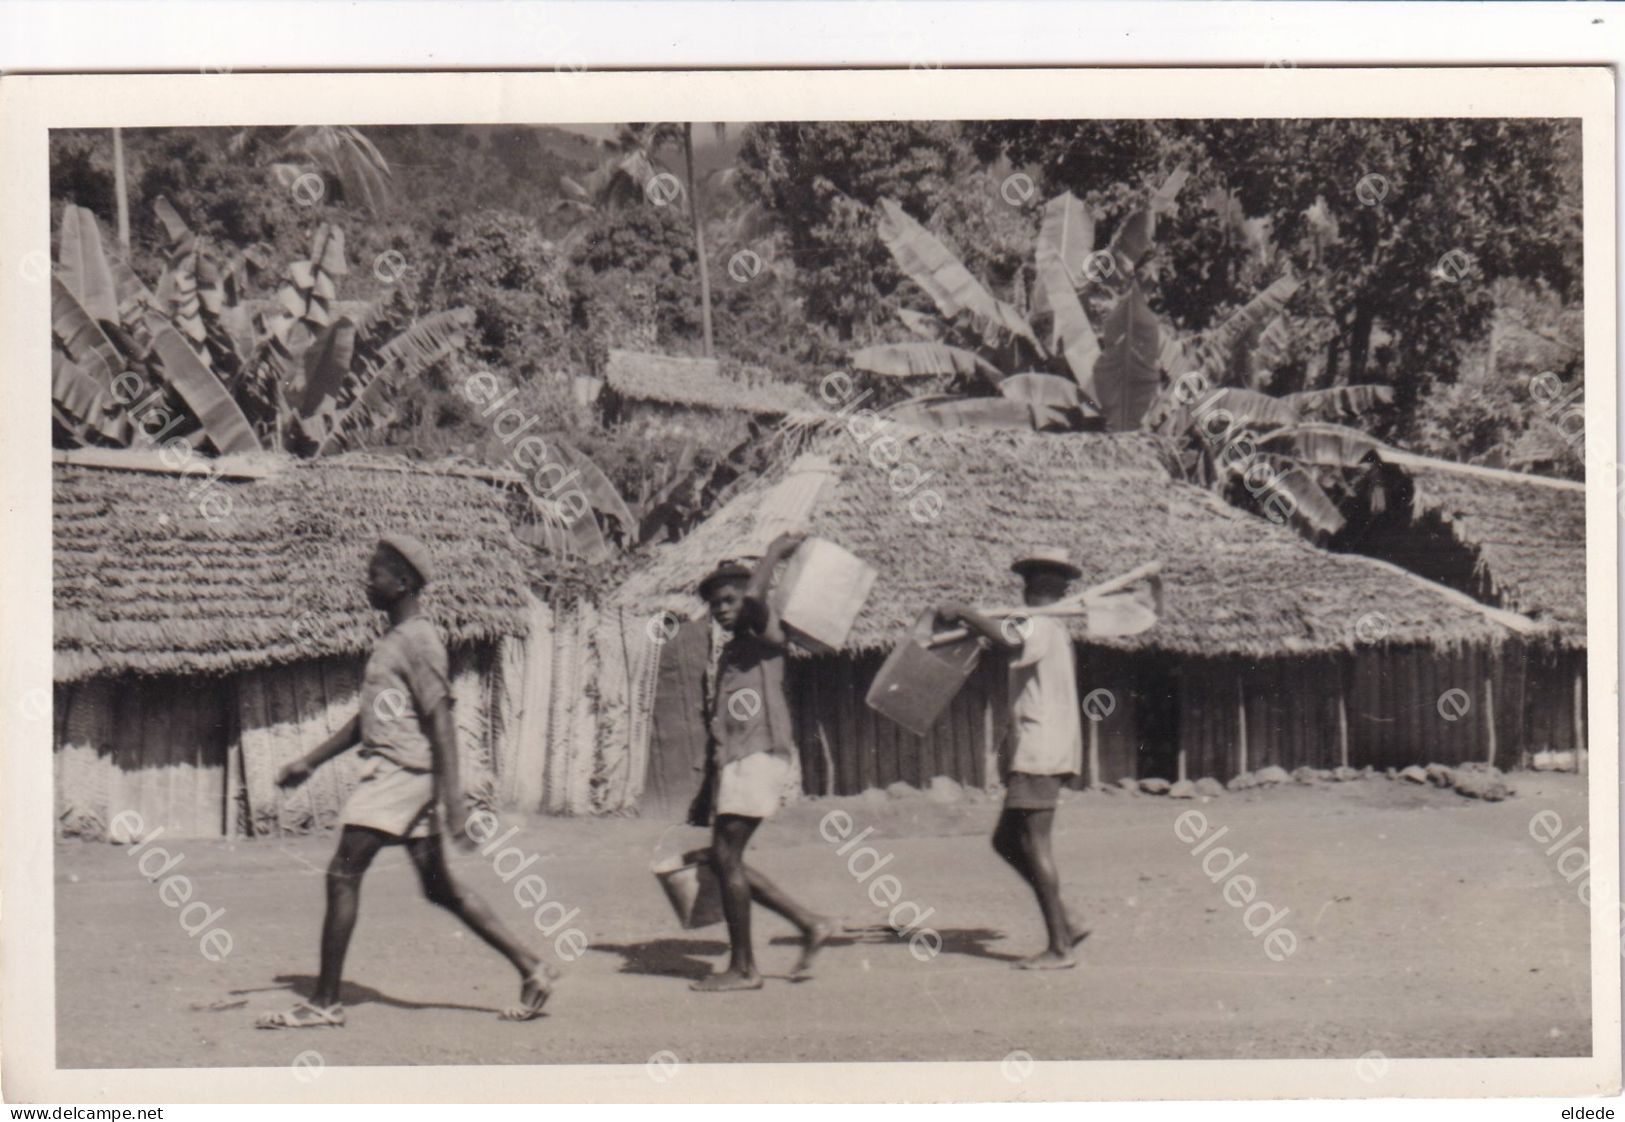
352 993
666 957
970 941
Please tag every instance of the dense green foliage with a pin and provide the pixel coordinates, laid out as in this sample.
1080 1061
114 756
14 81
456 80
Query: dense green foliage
1415 242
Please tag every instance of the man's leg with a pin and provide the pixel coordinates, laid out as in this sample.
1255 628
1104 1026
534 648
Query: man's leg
815 929
730 833
357 847
429 855
1008 844
1035 837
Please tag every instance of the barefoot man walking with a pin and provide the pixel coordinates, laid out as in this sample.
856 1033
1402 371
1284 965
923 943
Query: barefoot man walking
1044 744
409 788
749 758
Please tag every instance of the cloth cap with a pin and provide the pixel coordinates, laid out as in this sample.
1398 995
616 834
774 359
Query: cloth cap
1048 557
725 570
413 552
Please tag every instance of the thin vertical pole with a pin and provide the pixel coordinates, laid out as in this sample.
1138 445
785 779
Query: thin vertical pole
1094 752
1489 715
1579 723
1342 728
1241 722
121 189
990 751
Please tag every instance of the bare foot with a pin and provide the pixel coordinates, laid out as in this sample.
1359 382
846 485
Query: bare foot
534 991
813 942
1079 928
727 982
1047 960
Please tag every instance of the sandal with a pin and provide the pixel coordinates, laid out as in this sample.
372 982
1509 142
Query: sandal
533 994
303 1015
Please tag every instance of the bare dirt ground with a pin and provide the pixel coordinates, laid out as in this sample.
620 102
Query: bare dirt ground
1428 925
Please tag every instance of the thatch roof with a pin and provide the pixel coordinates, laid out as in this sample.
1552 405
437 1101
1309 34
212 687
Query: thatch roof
164 573
698 383
1528 532
1235 584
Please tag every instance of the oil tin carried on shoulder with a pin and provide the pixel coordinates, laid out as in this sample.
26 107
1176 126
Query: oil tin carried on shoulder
918 681
820 592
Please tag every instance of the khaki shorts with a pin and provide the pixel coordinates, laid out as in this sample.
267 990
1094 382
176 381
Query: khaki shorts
1025 791
392 799
752 787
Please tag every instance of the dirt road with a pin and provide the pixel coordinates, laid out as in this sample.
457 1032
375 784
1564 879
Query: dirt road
1425 924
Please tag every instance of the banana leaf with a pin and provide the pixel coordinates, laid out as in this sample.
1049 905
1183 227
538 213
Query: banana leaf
1071 324
1041 389
969 412
913 360
81 401
427 340
82 337
327 361
1162 199
933 266
1132 239
1320 444
1057 404
1068 229
1126 377
1309 510
223 421
1346 401
408 354
1249 408
600 493
83 266
1218 342
923 326
327 250
369 403
1134 236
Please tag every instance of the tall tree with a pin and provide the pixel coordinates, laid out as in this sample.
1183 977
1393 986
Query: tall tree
821 181
1397 227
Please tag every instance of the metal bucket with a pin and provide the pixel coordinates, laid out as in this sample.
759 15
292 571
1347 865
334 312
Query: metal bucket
691 885
917 682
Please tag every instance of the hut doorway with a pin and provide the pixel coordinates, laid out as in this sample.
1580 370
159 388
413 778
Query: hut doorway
1157 701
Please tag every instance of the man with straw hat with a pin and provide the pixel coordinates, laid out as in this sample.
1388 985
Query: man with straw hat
408 788
1043 746
749 757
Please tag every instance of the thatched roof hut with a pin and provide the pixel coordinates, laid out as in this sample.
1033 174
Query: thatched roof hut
698 383
1269 650
1526 536
1235 584
163 573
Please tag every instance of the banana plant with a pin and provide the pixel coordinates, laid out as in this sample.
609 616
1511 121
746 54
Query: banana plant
1131 373
978 337
104 325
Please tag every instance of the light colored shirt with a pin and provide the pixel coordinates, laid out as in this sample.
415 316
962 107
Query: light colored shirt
406 677
1046 733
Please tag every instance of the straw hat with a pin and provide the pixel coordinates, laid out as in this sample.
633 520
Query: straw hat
413 552
1046 557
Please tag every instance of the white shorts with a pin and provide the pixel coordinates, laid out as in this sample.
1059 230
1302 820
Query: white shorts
392 799
754 786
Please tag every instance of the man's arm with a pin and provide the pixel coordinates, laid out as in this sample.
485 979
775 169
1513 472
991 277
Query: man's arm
442 732
1005 635
295 773
757 614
